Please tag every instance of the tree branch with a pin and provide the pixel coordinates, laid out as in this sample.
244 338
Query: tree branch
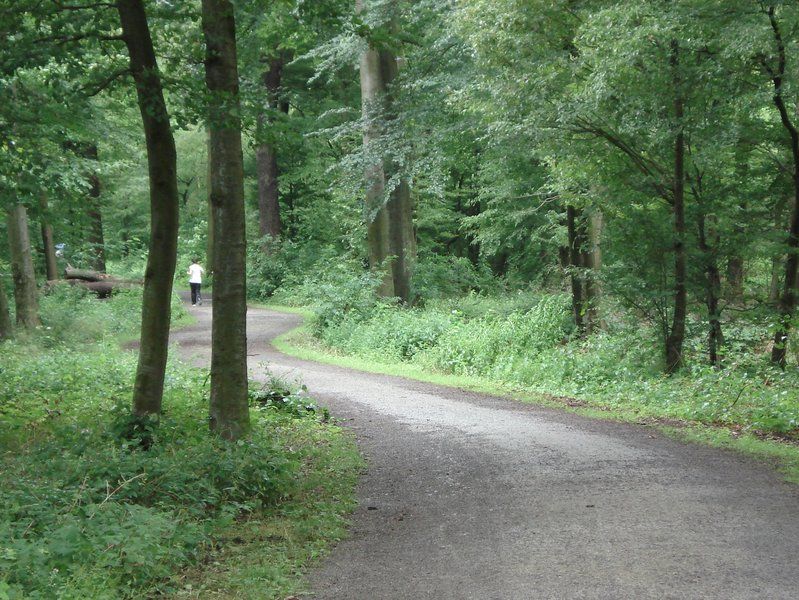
105 83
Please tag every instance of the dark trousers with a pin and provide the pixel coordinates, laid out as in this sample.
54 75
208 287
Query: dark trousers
195 293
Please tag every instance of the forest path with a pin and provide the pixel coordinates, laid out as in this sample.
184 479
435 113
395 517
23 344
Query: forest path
467 496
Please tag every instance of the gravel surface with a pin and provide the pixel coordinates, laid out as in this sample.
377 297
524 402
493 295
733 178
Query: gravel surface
468 496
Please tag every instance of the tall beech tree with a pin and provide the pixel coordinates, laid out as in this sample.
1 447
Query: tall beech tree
162 171
25 291
266 151
229 410
388 206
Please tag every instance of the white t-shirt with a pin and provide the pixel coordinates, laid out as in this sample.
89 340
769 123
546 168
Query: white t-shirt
196 273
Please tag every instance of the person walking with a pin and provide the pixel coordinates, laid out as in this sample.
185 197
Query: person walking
195 273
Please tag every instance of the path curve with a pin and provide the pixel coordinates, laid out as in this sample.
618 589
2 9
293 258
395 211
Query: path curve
467 496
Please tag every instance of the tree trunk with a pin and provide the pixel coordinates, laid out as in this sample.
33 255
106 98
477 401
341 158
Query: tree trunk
25 292
787 301
390 230
6 328
576 243
229 411
162 169
774 283
209 243
709 248
375 212
402 238
266 156
96 237
593 262
51 266
674 341
735 275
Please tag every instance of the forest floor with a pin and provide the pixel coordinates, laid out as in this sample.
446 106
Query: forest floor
471 496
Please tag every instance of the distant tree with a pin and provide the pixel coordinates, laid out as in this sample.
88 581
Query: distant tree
389 208
6 327
25 290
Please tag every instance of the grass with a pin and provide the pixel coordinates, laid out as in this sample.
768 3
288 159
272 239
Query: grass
267 556
778 453
96 504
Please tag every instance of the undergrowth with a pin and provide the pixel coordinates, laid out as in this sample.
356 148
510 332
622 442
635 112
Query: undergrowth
87 510
527 341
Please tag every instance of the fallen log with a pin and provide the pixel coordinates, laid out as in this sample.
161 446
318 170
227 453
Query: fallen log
84 274
102 289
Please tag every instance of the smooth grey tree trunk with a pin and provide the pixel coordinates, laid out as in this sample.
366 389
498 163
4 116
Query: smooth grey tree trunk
6 327
48 243
162 169
390 232
25 292
229 410
593 263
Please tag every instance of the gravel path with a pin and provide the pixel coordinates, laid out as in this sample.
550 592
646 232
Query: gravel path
468 496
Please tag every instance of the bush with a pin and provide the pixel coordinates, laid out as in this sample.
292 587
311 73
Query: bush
525 341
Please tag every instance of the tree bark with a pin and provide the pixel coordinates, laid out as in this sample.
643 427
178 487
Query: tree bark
376 214
209 243
709 248
674 341
162 169
266 155
6 328
593 264
735 275
576 243
96 237
25 292
402 238
390 230
787 301
48 244
229 410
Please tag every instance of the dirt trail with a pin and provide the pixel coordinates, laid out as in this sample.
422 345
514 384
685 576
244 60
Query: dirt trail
473 497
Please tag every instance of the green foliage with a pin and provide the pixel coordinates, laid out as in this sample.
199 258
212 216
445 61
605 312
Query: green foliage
280 395
524 341
72 316
97 504
333 292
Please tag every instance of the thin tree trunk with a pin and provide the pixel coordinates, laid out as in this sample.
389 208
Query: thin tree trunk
50 264
774 283
787 301
229 411
593 263
576 242
162 169
6 328
25 292
709 248
674 341
96 237
266 156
